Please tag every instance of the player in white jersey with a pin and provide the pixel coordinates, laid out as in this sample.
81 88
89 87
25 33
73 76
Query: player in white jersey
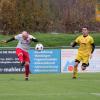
24 40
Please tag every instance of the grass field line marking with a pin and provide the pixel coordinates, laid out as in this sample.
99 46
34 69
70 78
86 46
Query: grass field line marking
37 94
42 94
97 94
48 94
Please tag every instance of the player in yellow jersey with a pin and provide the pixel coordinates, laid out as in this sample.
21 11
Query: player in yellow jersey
85 50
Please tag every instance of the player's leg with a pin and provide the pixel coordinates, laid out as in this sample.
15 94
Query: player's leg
84 66
85 62
77 61
19 53
75 70
27 62
27 71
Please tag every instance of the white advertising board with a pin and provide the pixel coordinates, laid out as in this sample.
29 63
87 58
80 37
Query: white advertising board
67 61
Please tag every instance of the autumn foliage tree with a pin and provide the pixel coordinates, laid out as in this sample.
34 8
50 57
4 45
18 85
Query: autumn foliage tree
47 15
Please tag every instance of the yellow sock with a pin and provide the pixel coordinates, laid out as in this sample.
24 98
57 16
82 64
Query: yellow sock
75 72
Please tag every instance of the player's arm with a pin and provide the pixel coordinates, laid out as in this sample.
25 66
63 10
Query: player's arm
11 39
93 47
73 44
34 40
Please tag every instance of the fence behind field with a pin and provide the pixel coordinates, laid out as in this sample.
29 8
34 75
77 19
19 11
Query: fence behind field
50 60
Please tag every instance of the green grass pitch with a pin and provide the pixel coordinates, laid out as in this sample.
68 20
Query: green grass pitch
50 87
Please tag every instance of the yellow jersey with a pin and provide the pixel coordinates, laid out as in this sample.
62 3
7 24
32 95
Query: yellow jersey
85 47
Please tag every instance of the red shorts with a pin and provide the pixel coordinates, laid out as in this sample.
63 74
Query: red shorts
22 55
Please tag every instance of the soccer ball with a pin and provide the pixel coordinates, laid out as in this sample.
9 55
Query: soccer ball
39 46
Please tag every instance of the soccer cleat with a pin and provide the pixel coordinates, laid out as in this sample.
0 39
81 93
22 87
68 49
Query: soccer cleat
74 77
26 78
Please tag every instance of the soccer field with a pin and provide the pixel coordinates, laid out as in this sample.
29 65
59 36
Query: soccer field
50 87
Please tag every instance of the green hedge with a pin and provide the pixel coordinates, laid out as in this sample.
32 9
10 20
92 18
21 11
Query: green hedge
51 40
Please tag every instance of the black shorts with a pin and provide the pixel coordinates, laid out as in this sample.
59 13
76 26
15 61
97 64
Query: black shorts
77 61
85 65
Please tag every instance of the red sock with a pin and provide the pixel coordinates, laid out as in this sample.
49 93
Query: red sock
26 70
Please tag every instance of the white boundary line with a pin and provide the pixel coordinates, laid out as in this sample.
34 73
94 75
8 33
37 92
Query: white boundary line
48 94
97 94
41 94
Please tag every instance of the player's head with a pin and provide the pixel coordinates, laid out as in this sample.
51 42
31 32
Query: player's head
25 35
85 31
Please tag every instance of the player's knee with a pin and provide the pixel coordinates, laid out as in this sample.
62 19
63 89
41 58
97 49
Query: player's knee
26 63
76 64
20 54
84 65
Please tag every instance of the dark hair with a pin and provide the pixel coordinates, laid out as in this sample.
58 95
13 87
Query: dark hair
85 27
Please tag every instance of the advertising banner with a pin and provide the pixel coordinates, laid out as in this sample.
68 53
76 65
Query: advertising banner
9 62
67 61
46 61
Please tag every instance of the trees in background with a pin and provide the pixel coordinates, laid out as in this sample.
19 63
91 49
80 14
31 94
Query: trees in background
47 15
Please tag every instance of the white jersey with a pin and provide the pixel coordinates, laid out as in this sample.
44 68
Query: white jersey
23 44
